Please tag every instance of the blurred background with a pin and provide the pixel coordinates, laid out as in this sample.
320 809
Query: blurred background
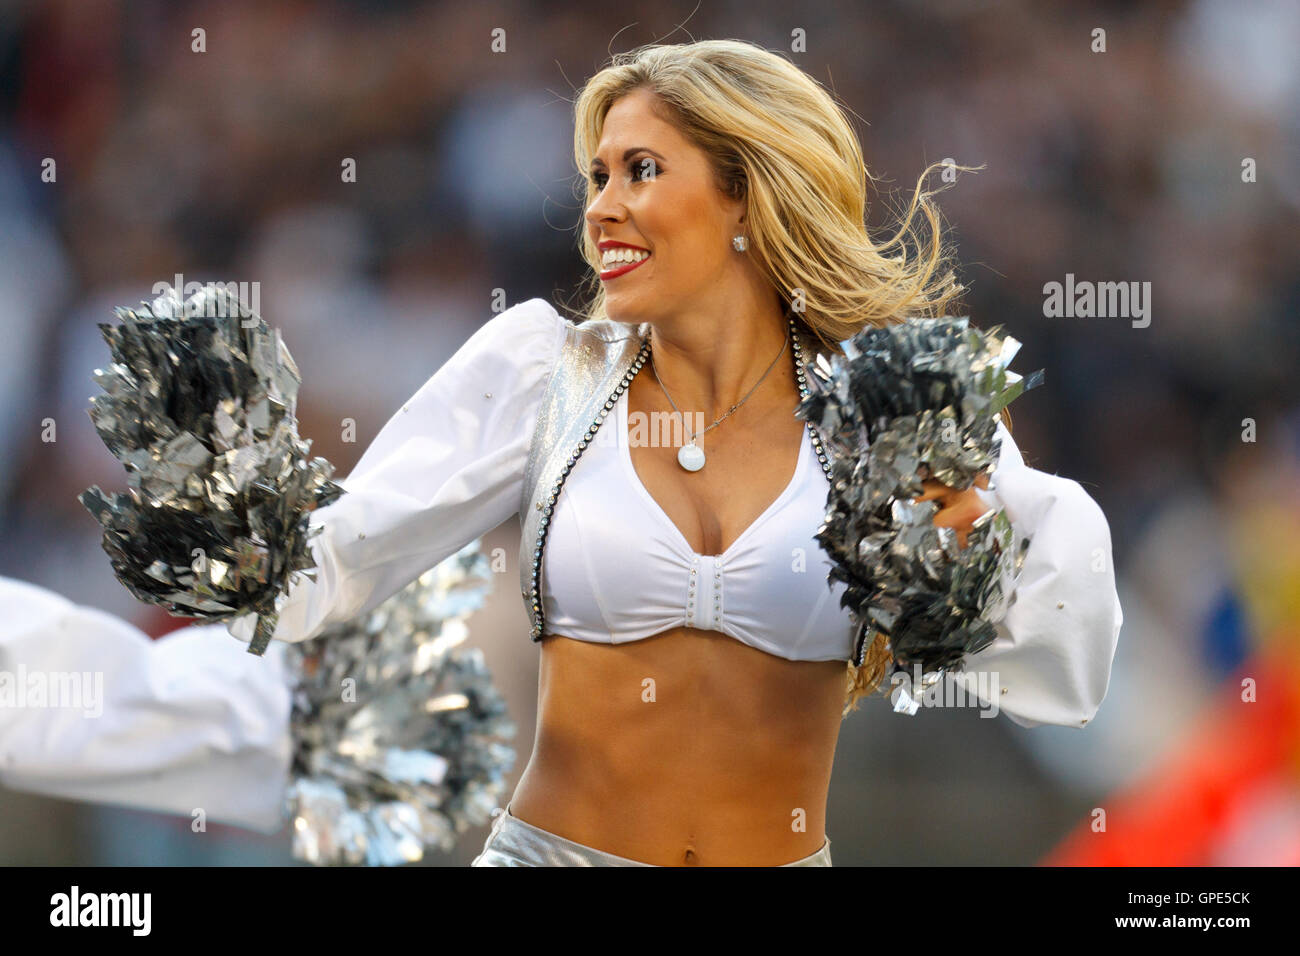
1123 165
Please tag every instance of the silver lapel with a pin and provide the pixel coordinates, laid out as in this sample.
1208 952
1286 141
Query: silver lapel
598 360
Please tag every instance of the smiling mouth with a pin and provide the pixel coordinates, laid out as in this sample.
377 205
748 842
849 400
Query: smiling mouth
622 268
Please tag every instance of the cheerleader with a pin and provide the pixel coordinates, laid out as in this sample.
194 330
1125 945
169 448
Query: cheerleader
696 656
695 665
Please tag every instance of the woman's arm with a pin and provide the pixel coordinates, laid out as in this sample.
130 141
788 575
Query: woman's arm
1051 660
446 468
92 709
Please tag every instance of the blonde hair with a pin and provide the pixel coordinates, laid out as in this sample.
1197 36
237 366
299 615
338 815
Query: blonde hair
777 139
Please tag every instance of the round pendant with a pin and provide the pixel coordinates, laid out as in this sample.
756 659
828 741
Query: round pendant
691 457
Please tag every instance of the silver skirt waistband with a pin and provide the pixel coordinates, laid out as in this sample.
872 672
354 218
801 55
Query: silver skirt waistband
512 842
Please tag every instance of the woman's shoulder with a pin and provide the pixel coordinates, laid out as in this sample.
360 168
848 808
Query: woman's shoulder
517 345
533 316
609 342
519 350
538 317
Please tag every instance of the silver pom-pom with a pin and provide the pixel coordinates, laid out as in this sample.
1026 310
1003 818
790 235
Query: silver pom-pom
199 408
399 734
904 403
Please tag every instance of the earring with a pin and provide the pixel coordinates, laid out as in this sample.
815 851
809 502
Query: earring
739 243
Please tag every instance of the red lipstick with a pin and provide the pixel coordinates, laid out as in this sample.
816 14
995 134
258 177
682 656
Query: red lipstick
625 267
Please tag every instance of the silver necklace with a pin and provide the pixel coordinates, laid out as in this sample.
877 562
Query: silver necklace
691 456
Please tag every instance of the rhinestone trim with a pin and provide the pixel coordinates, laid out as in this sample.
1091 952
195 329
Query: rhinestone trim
860 643
534 598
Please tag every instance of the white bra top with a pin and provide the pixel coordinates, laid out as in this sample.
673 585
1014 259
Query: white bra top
449 465
616 568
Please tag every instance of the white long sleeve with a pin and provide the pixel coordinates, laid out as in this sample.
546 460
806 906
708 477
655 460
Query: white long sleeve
1056 640
92 709
446 468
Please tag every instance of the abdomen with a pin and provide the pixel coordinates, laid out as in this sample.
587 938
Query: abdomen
685 741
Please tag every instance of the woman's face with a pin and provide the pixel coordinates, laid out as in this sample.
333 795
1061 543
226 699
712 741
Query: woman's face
655 191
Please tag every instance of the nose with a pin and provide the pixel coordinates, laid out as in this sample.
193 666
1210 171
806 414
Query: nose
606 207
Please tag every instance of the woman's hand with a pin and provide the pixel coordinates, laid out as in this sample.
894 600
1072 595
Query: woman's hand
957 509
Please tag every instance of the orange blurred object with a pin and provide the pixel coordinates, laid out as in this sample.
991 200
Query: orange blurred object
1233 783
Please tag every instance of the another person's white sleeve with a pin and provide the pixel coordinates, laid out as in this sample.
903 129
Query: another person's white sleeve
1056 640
446 468
92 709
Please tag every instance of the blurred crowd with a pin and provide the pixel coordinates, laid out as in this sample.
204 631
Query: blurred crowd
1171 155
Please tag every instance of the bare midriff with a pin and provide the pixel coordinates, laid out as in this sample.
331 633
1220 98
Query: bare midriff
687 748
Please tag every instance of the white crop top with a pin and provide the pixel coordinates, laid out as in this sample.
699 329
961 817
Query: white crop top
617 569
449 466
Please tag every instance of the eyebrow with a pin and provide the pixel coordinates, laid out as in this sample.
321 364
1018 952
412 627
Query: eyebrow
628 154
